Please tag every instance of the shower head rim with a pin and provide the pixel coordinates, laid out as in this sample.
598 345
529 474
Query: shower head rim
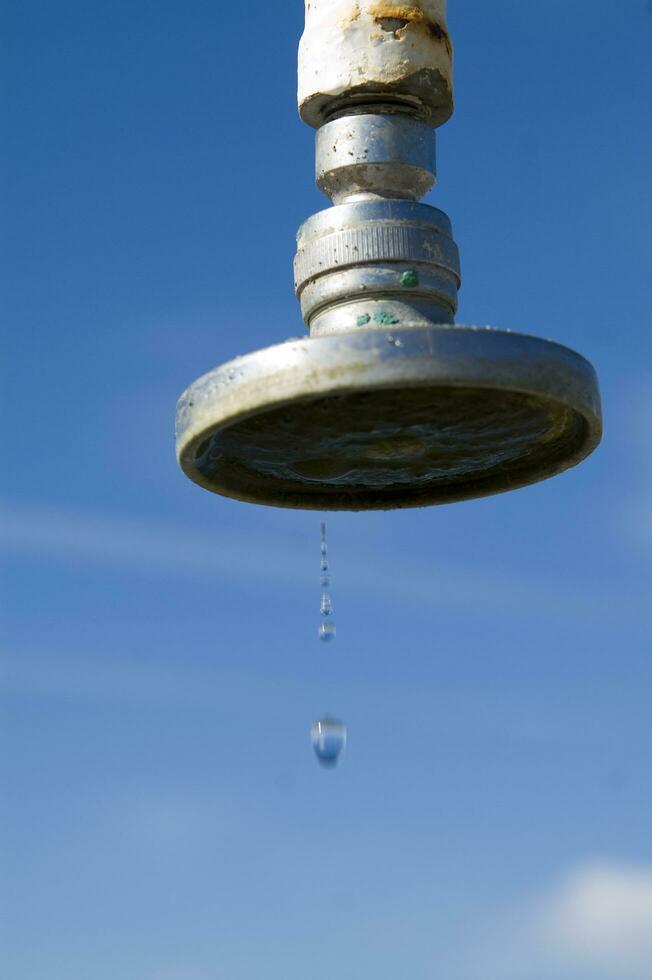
300 371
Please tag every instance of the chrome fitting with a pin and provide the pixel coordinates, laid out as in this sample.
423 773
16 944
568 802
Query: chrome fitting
373 155
376 263
377 258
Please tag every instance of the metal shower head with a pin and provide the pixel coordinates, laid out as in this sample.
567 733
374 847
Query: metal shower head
387 403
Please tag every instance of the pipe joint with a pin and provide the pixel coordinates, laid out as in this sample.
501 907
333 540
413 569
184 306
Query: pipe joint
375 155
376 263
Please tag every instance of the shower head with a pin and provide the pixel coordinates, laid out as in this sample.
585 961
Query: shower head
387 403
381 419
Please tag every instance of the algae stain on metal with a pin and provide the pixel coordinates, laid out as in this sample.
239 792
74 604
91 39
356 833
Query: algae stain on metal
410 279
385 319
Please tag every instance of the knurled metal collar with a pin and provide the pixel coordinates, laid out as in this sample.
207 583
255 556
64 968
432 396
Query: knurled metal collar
374 231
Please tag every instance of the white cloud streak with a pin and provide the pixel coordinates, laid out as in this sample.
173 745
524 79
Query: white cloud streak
593 923
58 535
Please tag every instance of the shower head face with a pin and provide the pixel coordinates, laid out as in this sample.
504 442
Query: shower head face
380 420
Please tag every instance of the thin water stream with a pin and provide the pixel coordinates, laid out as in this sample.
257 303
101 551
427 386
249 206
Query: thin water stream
328 735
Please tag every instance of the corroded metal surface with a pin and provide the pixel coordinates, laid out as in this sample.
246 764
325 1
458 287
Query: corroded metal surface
384 419
373 51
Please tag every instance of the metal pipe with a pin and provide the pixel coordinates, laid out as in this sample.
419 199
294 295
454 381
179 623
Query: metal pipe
372 53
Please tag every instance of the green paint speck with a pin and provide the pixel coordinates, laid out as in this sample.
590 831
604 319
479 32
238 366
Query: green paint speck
363 320
386 319
410 279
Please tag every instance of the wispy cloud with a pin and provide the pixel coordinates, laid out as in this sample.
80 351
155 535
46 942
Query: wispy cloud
51 535
182 972
85 679
593 923
633 517
636 520
602 914
105 679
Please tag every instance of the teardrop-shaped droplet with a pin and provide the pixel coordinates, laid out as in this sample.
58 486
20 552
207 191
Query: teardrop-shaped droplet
326 606
324 565
328 737
325 581
326 632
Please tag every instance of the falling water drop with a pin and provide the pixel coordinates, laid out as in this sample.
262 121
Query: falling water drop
326 632
326 607
328 737
325 581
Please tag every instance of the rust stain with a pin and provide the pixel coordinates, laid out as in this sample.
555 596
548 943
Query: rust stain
397 11
352 16
410 14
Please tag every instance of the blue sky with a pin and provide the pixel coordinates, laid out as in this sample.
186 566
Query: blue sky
164 818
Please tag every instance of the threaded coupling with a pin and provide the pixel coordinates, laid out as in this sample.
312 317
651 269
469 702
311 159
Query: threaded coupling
376 263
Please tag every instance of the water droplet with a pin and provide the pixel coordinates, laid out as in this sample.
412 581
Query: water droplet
394 341
326 632
324 565
328 737
325 581
326 607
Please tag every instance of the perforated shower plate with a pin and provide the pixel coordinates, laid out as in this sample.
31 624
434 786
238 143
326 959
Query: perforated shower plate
381 419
